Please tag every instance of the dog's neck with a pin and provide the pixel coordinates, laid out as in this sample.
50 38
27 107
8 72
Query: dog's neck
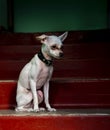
45 58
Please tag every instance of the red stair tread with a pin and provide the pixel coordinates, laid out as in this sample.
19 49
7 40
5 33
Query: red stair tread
54 121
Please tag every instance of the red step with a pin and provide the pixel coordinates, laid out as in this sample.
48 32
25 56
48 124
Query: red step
65 93
60 120
80 60
8 38
90 68
71 51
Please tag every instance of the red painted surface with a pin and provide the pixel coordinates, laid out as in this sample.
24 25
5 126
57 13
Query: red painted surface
65 94
55 123
7 95
81 60
93 68
71 51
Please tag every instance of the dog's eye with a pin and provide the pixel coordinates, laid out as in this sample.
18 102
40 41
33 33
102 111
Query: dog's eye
53 47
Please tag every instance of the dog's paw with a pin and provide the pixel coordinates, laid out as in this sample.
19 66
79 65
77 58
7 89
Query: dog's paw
23 109
51 109
42 109
30 110
36 110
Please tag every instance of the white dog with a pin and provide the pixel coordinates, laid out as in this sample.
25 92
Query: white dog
37 73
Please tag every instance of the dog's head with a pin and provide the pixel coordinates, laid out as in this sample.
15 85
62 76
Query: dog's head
52 45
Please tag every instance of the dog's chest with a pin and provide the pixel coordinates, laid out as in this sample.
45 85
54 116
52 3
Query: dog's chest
42 77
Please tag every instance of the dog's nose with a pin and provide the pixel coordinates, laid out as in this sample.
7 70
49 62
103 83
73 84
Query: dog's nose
61 54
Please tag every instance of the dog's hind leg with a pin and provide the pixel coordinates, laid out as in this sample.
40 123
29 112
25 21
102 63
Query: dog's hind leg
24 101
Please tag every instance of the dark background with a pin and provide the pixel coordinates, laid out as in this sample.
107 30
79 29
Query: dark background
56 15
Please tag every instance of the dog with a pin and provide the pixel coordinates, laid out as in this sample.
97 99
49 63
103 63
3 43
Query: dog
37 73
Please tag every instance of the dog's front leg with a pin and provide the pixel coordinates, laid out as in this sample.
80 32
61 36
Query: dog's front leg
46 97
34 93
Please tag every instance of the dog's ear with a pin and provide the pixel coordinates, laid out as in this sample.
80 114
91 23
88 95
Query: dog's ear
42 38
63 36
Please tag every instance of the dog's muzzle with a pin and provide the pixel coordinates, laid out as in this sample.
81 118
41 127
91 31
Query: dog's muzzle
61 54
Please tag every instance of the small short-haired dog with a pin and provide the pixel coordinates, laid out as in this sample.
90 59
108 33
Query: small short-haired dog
37 73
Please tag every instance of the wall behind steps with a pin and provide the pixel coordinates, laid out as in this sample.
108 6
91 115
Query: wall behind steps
3 13
56 15
59 15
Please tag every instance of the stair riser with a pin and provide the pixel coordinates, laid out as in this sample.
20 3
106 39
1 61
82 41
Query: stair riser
65 94
73 37
75 51
62 68
55 123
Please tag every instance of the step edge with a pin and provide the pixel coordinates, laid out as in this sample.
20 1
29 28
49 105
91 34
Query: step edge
59 113
8 81
71 79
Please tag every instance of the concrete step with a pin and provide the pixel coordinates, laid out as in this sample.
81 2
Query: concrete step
67 119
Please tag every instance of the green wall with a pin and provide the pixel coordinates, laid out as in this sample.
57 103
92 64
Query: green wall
59 15
56 15
3 13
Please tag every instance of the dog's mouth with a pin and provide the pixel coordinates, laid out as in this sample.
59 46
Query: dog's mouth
57 57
